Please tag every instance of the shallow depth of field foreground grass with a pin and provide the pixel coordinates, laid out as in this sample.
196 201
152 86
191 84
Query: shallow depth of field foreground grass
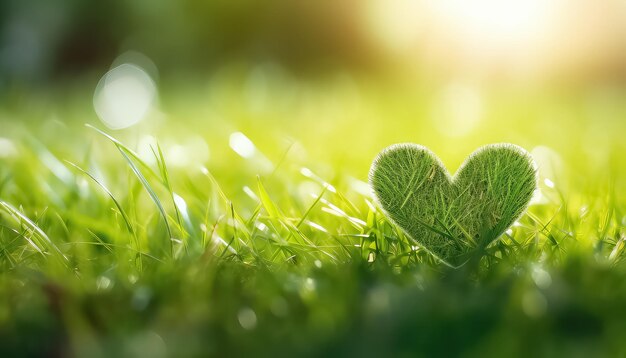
229 223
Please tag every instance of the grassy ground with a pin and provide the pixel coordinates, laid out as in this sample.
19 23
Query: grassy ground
178 237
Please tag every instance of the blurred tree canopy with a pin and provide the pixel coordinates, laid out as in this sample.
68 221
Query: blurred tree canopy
41 40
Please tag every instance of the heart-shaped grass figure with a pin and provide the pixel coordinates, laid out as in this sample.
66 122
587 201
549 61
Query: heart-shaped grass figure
452 217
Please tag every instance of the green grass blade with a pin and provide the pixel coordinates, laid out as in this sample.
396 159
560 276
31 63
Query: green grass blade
24 220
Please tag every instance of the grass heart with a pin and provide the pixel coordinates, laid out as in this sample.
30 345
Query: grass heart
453 216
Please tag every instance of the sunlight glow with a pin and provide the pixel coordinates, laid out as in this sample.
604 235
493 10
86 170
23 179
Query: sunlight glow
479 38
396 23
458 110
549 163
496 23
538 198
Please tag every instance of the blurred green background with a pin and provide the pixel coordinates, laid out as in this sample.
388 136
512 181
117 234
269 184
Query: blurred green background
339 79
451 75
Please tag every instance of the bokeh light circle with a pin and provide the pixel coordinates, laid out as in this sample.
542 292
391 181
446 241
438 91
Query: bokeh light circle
124 96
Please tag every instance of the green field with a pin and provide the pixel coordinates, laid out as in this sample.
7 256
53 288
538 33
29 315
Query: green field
180 237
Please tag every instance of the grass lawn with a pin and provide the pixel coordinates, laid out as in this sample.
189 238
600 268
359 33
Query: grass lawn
236 220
